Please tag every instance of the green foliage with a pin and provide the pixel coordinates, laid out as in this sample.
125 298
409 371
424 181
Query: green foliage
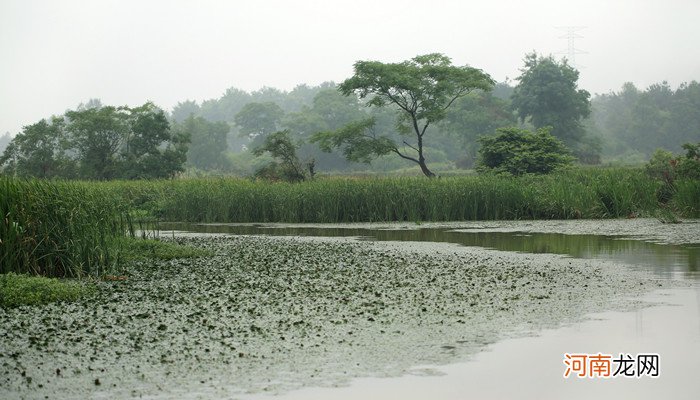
477 114
184 110
641 121
689 166
565 194
356 140
98 143
421 90
519 151
686 199
207 142
330 110
57 228
131 249
287 166
547 95
40 151
5 140
17 290
662 166
257 120
679 176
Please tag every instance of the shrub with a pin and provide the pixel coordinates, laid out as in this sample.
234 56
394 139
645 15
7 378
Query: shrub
287 166
689 166
674 172
519 151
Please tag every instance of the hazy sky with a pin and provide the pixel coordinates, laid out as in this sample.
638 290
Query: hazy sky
56 54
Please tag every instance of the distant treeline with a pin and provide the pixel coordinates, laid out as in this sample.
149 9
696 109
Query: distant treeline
634 123
306 110
98 142
623 127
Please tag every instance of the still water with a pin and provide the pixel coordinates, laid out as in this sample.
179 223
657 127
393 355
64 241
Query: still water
671 261
533 367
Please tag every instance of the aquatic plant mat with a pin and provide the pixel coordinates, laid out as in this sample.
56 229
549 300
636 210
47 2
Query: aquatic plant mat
273 313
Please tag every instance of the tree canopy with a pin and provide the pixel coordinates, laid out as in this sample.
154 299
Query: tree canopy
287 165
98 142
420 90
636 122
208 143
547 94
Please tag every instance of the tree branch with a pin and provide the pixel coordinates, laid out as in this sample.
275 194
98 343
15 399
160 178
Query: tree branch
458 95
395 150
406 143
424 129
398 103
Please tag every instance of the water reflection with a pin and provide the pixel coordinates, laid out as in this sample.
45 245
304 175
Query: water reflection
670 261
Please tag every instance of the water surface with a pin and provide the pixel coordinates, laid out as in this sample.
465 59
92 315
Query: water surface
670 261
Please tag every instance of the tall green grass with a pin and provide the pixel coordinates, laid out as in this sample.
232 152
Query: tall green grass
73 228
59 229
575 193
686 199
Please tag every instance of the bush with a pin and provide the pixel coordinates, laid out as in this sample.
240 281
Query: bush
674 172
519 151
662 166
287 166
689 166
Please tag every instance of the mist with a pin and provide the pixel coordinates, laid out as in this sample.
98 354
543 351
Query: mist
59 54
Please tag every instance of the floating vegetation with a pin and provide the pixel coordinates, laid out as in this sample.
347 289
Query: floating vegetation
17 290
268 314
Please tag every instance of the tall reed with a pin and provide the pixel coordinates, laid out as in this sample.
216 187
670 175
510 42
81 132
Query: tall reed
60 229
575 193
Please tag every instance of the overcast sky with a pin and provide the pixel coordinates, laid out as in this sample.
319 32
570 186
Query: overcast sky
57 54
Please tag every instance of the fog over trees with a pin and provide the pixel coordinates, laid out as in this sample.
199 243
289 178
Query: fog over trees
221 135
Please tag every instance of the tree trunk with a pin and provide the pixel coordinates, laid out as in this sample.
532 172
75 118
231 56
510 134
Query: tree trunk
421 159
424 168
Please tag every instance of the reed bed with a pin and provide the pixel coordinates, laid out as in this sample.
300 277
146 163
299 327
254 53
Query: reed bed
58 229
72 229
575 193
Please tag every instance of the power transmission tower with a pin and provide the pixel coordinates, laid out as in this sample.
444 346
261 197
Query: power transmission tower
571 51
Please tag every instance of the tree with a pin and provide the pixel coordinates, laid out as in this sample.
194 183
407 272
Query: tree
638 122
257 120
5 140
330 110
40 151
184 110
547 95
519 151
421 90
477 114
287 165
96 142
208 142
97 135
151 150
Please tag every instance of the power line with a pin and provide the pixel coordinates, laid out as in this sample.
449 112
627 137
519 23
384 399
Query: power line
571 51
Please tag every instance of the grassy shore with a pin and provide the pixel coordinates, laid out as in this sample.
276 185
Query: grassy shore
68 230
73 229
